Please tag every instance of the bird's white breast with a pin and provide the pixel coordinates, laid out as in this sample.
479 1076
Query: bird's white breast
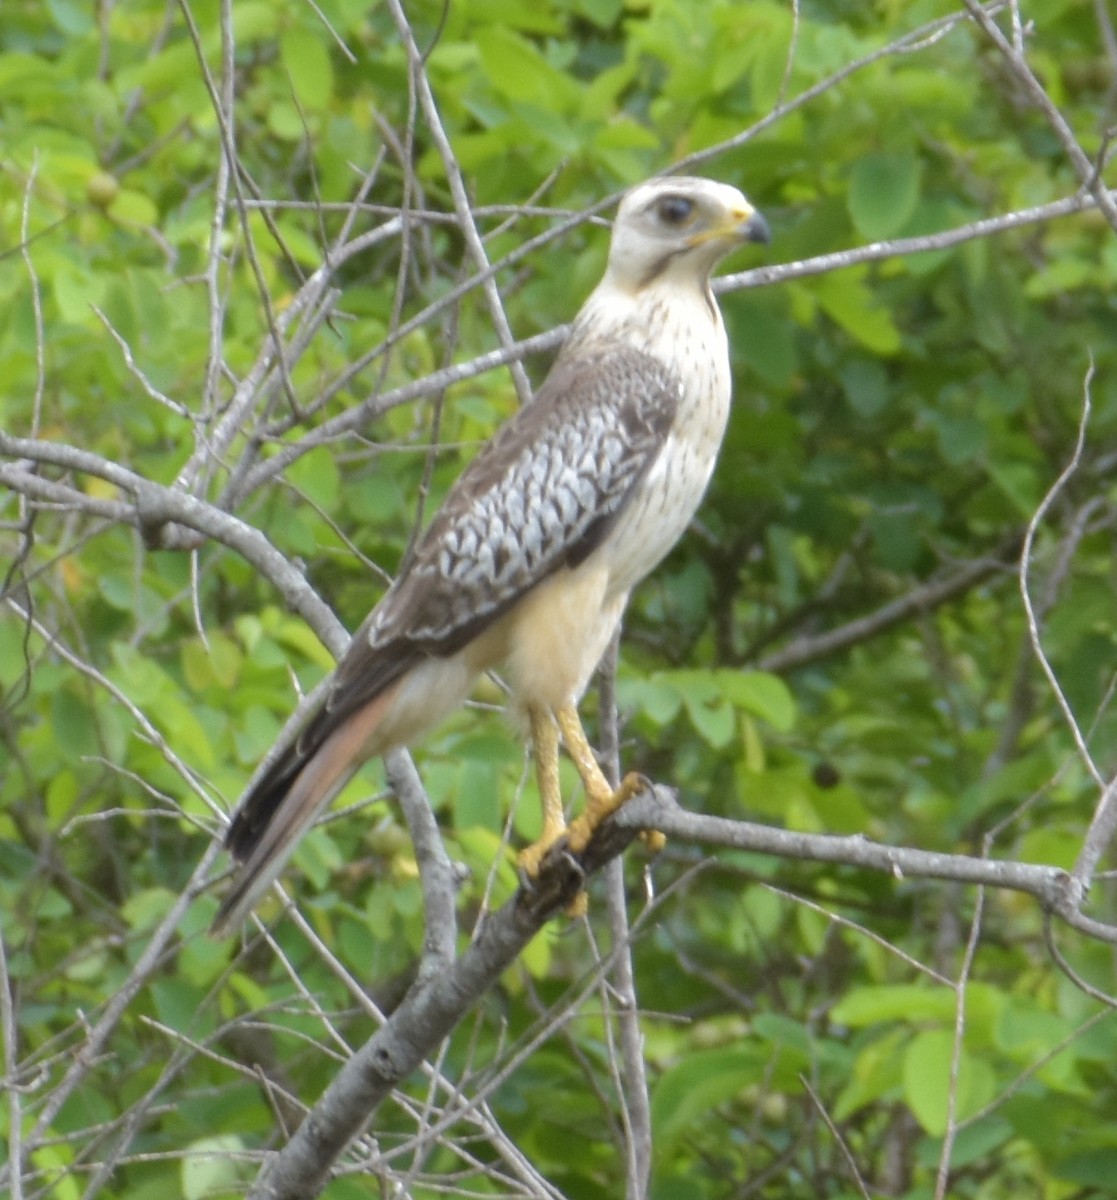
551 642
687 332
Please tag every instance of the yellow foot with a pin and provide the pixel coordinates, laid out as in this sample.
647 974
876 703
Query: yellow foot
654 840
601 806
531 857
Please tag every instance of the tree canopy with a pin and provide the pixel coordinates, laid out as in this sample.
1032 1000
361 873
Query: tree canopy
271 274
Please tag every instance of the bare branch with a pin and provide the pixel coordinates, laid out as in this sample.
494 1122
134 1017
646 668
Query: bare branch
157 506
1025 587
466 222
9 1043
98 1035
1089 172
434 1005
919 600
897 247
431 1009
376 405
1052 886
439 878
942 1177
918 39
635 1102
1098 836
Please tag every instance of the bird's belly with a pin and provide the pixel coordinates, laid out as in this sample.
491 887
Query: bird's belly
549 643
552 640
424 697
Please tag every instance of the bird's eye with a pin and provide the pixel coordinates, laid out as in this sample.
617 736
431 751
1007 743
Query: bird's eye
675 210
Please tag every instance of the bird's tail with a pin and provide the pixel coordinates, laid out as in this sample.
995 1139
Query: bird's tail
284 802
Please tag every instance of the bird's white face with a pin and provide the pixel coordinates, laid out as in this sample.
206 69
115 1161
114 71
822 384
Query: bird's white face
680 226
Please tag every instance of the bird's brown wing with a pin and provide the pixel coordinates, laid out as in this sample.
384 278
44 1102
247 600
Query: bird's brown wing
541 495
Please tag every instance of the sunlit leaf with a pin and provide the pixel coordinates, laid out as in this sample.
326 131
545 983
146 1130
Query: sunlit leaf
210 1168
308 65
931 1078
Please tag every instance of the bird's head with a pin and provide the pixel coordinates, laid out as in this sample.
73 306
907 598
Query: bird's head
681 226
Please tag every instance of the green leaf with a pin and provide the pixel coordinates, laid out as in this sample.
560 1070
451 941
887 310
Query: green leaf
927 1081
1018 482
133 208
1089 1168
847 300
763 339
759 693
20 72
296 636
215 661
517 70
962 436
894 1002
287 121
17 645
601 12
146 908
657 698
883 193
61 795
865 383
76 291
1054 847
701 1081
875 1075
1026 1030
73 19
896 539
213 1167
376 498
54 1166
308 67
712 718
477 799
74 724
254 20
53 906
316 475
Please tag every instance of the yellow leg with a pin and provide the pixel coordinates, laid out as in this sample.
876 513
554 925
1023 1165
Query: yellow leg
601 798
545 750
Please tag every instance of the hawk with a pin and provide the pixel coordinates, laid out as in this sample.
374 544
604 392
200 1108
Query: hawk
527 566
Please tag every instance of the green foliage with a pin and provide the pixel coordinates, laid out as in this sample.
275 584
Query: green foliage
840 647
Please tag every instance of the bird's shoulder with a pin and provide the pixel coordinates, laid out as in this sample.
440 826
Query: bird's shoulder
594 388
542 493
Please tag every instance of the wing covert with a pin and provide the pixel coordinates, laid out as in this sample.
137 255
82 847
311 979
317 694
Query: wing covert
541 495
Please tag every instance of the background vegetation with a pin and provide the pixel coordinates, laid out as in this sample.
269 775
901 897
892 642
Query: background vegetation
851 640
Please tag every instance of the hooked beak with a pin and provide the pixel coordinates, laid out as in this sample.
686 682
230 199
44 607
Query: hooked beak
752 227
740 225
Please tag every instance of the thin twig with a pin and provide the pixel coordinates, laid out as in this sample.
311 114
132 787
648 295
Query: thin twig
633 1095
454 179
10 1042
942 1175
1055 888
437 874
1025 580
156 507
1013 52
